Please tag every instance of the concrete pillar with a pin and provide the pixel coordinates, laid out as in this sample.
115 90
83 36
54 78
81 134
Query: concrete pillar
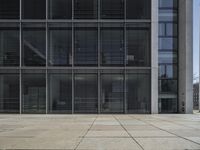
154 57
185 56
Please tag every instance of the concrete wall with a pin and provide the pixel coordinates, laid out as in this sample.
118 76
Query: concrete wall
185 56
154 57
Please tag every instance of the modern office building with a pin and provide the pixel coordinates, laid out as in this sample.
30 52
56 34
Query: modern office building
196 96
96 56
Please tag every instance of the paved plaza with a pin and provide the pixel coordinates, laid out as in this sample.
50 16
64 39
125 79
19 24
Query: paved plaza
99 132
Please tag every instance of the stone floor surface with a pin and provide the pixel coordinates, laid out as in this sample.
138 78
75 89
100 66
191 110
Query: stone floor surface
100 132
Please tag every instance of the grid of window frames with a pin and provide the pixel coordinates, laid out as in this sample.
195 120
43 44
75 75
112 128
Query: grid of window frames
168 56
75 56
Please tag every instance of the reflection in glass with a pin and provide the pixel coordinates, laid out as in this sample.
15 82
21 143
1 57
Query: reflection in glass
9 45
60 45
86 45
112 9
86 93
167 57
168 71
33 93
138 45
33 9
34 45
168 86
60 93
168 3
138 93
168 105
138 9
112 44
112 93
168 43
60 9
85 9
9 9
9 93
167 15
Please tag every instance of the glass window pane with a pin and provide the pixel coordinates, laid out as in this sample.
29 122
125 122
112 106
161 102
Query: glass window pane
85 9
168 86
86 44
166 43
112 9
33 9
60 9
33 93
138 93
60 44
167 57
138 45
162 29
168 71
60 93
168 15
168 3
86 93
168 105
138 9
9 9
34 45
112 44
9 93
171 29
9 44
112 93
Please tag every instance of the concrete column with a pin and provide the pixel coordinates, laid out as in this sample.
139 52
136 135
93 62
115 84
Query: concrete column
185 56
154 57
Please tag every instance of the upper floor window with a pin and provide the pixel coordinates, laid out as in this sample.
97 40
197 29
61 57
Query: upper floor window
9 9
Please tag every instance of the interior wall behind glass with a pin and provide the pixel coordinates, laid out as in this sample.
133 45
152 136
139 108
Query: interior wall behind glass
112 44
86 44
9 44
33 93
60 9
85 93
60 44
112 93
60 93
138 93
9 93
33 44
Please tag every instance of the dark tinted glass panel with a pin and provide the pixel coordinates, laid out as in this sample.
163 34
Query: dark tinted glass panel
9 45
166 43
86 93
168 105
112 93
138 9
9 9
112 44
138 45
34 45
112 9
168 71
168 3
9 93
86 47
60 93
60 9
168 86
60 45
85 9
138 93
33 93
33 9
168 15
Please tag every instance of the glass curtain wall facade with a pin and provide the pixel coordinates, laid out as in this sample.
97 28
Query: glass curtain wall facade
168 56
75 56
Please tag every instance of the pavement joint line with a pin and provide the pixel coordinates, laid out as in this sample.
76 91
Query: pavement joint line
167 131
86 133
175 123
128 133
